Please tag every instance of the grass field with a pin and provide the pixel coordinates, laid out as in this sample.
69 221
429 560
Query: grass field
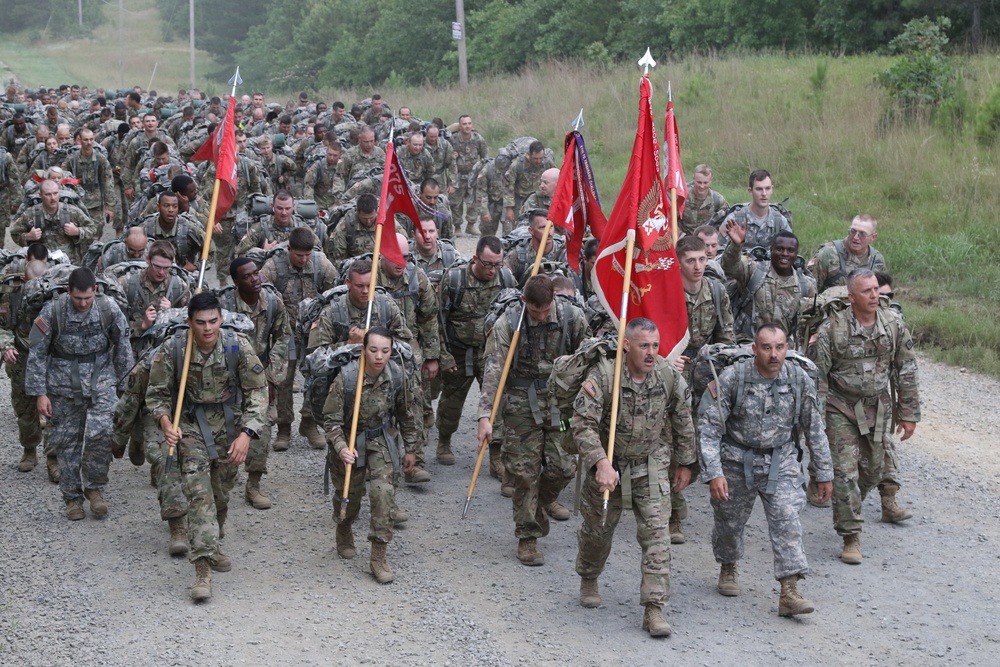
933 190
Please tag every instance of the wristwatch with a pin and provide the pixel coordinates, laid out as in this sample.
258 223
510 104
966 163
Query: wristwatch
252 433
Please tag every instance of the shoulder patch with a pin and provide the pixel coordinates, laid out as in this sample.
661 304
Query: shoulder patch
589 387
713 389
813 338
812 263
158 356
41 324
909 344
258 369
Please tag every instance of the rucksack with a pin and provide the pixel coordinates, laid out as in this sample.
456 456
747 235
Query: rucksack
310 309
279 254
508 302
570 370
38 291
171 320
516 148
180 238
321 367
227 296
449 256
507 297
261 205
143 199
823 305
132 268
838 247
720 216
738 299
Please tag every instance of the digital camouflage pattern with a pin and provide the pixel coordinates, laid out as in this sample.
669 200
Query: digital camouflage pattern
826 264
760 231
350 238
698 212
53 234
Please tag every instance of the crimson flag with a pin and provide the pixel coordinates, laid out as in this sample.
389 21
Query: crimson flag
395 198
575 204
656 291
675 172
221 150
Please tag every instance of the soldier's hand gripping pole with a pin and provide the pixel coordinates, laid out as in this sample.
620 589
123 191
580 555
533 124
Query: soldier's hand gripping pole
617 382
515 337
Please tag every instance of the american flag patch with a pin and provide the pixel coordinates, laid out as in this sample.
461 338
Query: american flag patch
42 325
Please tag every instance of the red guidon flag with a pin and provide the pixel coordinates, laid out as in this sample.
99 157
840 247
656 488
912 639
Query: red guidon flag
655 291
575 205
675 172
395 198
221 150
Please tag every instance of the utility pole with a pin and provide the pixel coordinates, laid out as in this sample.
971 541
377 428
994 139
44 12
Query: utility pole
458 33
121 44
79 10
191 35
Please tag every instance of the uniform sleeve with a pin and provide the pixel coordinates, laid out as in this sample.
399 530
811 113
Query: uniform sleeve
409 413
309 184
588 413
250 240
736 266
820 350
427 318
321 332
450 165
333 415
87 226
280 334
398 325
712 415
107 179
446 360
336 247
681 437
509 181
812 424
36 369
819 265
497 345
723 332
254 386
160 394
330 277
21 227
905 368
119 337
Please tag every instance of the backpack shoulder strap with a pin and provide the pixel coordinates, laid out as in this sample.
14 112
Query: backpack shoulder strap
456 288
717 290
317 260
231 348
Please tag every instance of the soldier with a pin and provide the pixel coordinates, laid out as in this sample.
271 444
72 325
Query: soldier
749 427
710 235
432 202
10 189
78 349
834 260
273 229
466 292
136 148
321 183
443 156
55 224
416 162
761 222
184 232
656 435
857 351
17 134
489 195
535 462
386 406
521 258
542 197
151 290
298 274
710 320
94 172
354 235
702 201
226 395
470 148
278 168
375 112
766 292
271 334
523 177
363 157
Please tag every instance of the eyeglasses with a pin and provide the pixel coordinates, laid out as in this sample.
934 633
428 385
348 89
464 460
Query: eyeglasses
857 232
490 265
889 295
160 267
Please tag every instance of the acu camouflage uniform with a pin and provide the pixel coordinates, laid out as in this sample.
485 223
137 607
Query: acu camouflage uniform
97 178
467 153
445 168
76 360
490 195
53 237
760 231
855 366
10 190
747 427
654 434
209 396
833 263
15 331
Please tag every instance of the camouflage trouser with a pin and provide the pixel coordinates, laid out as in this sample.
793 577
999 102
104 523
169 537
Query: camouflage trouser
432 390
80 434
5 219
677 503
207 483
652 518
454 389
286 397
495 209
97 215
458 201
225 251
25 407
121 214
781 509
379 474
890 474
537 465
259 448
169 485
858 467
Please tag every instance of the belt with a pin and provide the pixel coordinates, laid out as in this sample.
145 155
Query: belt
635 469
748 458
196 413
536 410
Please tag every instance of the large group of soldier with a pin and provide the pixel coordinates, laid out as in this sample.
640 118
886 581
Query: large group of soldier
100 316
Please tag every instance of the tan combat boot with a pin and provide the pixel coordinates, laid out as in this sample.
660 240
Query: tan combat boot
379 565
528 553
812 494
309 430
891 512
98 507
791 603
74 509
28 460
345 541
676 534
557 511
202 589
444 454
852 549
590 597
283 439
52 466
399 516
729 580
253 494
219 561
178 536
654 623
417 476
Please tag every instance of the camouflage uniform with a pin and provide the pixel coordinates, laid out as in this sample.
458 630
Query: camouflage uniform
327 331
266 230
752 445
467 153
490 194
249 181
760 231
97 179
134 148
322 185
855 364
207 480
350 238
417 167
445 168
441 213
521 180
280 171
354 163
654 431
779 299
187 235
833 263
10 190
16 332
143 293
53 237
698 212
378 461
76 359
521 258
536 200
537 464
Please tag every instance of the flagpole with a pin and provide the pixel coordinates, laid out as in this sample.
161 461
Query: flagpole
205 248
515 337
673 186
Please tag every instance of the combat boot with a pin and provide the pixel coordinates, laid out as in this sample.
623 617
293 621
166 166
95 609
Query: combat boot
812 494
178 536
220 562
202 589
676 534
590 597
496 464
379 565
28 460
52 465
444 454
74 509
136 451
528 553
253 494
470 229
791 603
417 476
891 512
309 430
399 516
852 549
345 541
283 439
557 511
654 623
98 507
729 580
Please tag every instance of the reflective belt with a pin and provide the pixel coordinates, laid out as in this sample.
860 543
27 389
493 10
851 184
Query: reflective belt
748 457
634 470
536 410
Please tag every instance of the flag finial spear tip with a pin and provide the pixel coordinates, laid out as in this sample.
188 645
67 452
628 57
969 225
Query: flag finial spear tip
647 61
670 95
236 80
578 121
